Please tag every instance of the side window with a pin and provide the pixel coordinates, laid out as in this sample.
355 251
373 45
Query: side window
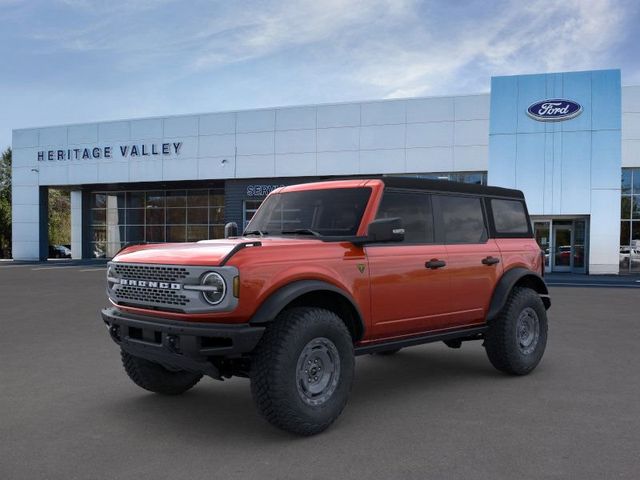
414 209
462 219
509 216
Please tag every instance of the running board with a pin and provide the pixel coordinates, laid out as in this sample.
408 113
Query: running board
461 334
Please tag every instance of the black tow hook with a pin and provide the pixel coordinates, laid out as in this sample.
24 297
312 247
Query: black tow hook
173 343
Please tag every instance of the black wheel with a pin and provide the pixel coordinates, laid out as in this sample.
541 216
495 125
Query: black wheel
156 378
385 353
517 338
302 370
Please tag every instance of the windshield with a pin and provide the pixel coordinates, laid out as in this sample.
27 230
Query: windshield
327 212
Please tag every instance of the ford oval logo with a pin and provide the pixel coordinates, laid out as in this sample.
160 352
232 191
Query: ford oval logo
554 110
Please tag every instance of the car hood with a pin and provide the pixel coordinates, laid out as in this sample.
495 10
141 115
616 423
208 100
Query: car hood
206 252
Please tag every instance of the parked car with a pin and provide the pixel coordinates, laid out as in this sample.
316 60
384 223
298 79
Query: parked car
324 272
59 251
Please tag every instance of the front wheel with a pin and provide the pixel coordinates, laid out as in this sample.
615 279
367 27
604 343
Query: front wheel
517 338
302 370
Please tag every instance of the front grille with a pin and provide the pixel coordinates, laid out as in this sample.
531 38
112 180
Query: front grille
151 295
151 272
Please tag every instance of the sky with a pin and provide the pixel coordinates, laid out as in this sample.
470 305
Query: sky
75 61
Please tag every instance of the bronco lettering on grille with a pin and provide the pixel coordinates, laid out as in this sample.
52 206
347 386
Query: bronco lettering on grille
150 284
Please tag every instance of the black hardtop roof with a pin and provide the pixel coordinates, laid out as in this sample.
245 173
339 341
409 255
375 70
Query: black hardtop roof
450 187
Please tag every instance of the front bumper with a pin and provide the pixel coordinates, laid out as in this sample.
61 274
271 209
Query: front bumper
182 345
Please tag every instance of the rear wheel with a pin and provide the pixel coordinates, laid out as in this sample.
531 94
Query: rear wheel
156 378
517 338
302 370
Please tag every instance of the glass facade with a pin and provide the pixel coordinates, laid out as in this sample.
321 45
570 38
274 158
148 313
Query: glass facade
478 178
630 221
120 217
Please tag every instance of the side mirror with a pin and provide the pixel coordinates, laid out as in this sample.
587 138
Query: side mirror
385 230
231 230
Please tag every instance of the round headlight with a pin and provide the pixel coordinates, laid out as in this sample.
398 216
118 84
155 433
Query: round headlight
215 288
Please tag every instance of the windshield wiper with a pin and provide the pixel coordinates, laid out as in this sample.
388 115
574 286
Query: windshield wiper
255 232
301 231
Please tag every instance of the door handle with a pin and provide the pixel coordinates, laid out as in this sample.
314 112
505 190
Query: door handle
435 263
490 260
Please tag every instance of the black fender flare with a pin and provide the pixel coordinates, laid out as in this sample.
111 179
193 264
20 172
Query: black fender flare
509 280
282 297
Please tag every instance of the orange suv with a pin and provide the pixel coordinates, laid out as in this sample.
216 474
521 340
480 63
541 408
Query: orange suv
324 272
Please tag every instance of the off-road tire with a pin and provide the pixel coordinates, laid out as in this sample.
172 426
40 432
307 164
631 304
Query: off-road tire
502 340
386 353
156 378
275 383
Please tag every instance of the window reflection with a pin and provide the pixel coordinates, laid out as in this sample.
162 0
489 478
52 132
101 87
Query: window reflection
118 218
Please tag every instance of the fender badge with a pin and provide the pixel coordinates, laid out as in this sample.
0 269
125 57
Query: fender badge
361 267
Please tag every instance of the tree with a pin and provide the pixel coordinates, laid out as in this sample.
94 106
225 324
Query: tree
59 217
5 204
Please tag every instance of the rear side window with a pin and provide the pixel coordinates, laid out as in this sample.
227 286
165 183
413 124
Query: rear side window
462 219
509 216
414 209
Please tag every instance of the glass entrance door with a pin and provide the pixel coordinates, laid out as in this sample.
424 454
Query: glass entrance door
562 248
542 232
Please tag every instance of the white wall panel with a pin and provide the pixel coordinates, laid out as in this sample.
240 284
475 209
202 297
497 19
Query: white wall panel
468 158
472 107
343 115
251 166
256 121
146 129
145 170
25 157
384 113
432 159
25 138
26 213
438 134
113 172
631 153
436 109
255 143
83 134
295 164
337 163
218 123
179 168
216 167
337 139
382 137
54 174
114 131
631 126
217 145
83 173
53 136
183 126
295 141
188 149
25 250
471 132
24 176
631 99
24 231
382 161
296 118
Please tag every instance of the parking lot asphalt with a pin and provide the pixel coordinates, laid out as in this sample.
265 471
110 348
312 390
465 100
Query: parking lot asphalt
68 411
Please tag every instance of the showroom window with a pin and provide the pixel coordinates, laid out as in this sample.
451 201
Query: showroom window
630 221
118 218
477 178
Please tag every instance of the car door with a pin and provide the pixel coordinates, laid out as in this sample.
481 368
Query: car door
474 260
409 280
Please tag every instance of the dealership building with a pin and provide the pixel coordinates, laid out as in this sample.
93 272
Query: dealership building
570 141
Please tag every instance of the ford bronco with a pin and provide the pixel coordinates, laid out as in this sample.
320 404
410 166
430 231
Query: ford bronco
324 272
